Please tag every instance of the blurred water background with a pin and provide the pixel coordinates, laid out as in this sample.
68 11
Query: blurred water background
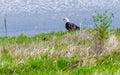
32 17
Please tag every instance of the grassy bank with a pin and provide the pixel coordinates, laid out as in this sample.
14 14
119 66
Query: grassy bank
60 53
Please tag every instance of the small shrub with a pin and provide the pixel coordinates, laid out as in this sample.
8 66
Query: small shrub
102 23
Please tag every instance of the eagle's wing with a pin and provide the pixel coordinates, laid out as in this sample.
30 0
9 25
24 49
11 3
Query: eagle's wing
72 26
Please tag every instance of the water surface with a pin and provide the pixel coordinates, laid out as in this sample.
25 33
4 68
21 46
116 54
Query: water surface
32 17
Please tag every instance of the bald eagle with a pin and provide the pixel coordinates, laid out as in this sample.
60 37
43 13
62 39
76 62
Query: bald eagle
70 26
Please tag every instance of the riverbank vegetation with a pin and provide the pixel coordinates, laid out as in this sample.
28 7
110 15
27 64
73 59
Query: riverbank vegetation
65 53
92 51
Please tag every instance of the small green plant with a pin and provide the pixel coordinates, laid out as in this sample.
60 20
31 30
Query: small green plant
117 32
62 63
22 38
102 23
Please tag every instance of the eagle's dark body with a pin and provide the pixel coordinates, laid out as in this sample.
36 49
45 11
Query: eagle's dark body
71 26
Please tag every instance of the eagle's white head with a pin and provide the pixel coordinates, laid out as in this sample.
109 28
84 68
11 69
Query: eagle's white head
66 19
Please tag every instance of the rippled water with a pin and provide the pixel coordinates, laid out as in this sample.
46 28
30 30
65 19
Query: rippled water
35 16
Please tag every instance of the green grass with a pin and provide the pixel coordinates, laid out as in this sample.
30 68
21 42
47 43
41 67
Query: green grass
49 66
117 32
60 53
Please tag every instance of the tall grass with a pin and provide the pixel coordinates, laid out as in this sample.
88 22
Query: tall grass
61 53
